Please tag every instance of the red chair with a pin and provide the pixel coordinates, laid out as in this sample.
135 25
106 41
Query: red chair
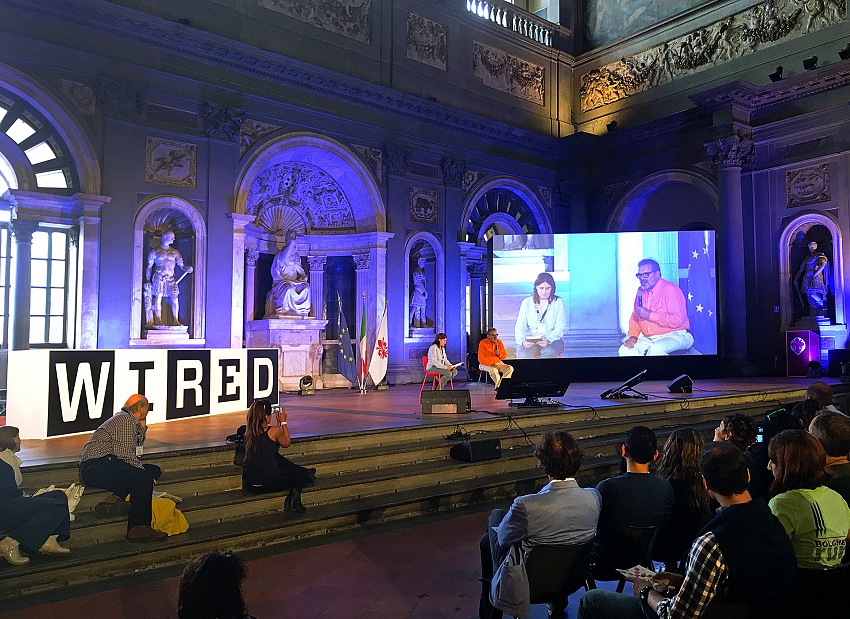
434 376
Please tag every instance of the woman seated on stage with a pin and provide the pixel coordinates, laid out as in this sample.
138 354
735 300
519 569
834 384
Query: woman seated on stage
265 469
815 517
438 362
541 321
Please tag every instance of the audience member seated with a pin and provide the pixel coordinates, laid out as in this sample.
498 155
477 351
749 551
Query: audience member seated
561 513
679 464
10 445
815 517
822 393
742 556
32 523
110 460
833 431
803 412
742 432
265 469
636 498
211 586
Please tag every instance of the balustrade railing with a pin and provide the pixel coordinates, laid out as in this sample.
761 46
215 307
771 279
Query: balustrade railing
508 16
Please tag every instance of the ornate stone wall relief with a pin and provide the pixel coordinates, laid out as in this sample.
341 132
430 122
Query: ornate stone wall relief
373 158
501 71
807 185
284 193
171 163
82 96
546 194
121 99
469 179
426 41
222 122
423 205
756 28
251 132
350 18
453 172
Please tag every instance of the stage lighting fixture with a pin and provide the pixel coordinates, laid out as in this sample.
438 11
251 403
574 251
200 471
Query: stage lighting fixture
810 63
844 52
776 75
306 386
611 126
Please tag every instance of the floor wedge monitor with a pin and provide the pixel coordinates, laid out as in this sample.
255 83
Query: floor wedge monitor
446 401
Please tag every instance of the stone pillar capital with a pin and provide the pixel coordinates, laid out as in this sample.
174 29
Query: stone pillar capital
362 261
733 151
317 263
23 229
251 257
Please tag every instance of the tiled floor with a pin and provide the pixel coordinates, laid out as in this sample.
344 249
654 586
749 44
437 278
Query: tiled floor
428 570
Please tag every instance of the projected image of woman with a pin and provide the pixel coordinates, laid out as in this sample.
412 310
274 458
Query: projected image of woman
541 322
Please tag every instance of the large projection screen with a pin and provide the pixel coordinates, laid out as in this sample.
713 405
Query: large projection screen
599 305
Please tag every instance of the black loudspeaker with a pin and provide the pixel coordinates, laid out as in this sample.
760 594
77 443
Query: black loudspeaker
682 384
306 386
456 401
480 449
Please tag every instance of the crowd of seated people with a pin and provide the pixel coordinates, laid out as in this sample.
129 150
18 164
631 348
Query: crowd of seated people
741 523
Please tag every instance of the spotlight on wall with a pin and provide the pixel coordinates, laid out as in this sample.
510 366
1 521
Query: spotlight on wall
810 63
844 52
306 386
776 75
611 126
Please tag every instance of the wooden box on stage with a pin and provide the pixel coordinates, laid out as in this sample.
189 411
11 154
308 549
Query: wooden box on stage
801 348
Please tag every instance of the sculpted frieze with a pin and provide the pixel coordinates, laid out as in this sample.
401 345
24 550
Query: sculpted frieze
426 41
222 122
423 205
82 96
756 28
373 157
287 191
171 163
807 185
501 71
251 132
349 18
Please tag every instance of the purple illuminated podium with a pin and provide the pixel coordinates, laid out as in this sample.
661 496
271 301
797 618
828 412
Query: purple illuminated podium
801 347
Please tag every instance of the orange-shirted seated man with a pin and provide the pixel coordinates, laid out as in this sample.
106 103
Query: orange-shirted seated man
659 322
491 353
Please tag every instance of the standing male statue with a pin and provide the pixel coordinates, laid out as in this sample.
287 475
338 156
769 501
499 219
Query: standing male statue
162 281
419 298
812 280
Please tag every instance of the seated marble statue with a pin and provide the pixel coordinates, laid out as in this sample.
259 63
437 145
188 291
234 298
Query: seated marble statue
290 293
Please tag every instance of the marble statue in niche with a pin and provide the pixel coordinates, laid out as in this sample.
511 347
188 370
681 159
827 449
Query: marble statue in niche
419 296
812 281
290 293
160 282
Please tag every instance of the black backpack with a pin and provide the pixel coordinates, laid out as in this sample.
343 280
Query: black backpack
238 440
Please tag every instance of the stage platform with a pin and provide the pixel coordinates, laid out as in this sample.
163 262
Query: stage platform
342 411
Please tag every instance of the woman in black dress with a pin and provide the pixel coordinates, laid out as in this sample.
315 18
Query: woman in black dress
265 469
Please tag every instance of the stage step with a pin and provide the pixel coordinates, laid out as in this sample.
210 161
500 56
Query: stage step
363 479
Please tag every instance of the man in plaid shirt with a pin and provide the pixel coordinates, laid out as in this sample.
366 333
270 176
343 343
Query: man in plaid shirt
742 556
110 460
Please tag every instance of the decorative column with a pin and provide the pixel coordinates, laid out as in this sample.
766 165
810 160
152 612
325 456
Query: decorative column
252 254
88 268
362 263
317 284
23 231
237 281
730 154
477 270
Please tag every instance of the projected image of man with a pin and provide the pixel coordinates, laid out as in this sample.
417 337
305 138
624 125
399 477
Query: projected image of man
659 321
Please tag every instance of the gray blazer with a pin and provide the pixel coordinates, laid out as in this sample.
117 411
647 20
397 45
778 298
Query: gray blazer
561 513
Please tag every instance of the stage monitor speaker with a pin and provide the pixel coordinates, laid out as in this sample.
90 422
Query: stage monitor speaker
457 401
306 386
837 358
682 384
477 450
